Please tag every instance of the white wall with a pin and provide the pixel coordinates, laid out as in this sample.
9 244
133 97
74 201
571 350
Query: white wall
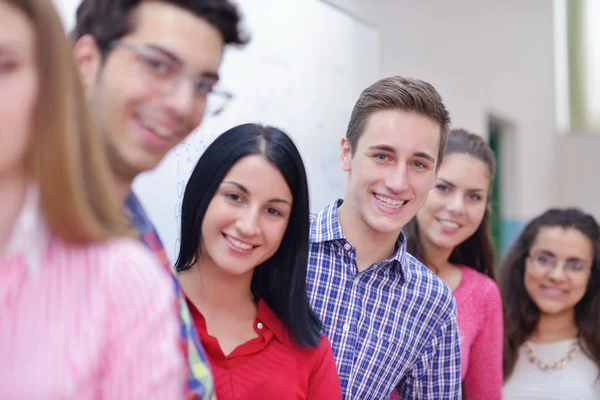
484 56
577 172
488 57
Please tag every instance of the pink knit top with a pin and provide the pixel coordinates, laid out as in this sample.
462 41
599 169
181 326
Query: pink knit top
479 309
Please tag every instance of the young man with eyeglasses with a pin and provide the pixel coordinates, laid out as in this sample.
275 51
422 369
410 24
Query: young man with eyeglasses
151 71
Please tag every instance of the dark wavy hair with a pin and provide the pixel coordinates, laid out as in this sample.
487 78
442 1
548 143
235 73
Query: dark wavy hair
281 280
521 314
477 251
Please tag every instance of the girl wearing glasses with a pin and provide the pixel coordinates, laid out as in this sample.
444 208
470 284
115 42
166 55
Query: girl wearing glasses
450 235
242 265
551 288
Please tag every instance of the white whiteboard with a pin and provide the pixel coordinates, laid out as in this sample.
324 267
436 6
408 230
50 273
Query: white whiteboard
302 72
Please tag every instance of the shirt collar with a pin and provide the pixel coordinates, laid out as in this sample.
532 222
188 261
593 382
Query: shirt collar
326 225
267 316
326 228
29 236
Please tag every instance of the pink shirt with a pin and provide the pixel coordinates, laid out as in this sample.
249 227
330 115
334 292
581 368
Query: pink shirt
479 308
85 322
480 325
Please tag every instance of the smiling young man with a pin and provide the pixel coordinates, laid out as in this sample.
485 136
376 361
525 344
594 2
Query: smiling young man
151 71
391 321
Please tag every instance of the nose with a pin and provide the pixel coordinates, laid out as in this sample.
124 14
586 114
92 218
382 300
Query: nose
248 223
456 204
397 181
182 100
557 273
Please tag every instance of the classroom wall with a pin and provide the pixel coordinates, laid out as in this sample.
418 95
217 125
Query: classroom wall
486 58
577 177
489 58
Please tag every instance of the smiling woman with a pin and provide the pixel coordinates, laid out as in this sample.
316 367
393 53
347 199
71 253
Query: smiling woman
242 264
450 235
551 289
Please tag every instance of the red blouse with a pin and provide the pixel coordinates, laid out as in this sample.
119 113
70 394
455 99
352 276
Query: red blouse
270 366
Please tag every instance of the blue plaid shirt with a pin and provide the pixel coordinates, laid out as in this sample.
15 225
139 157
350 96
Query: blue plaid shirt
391 325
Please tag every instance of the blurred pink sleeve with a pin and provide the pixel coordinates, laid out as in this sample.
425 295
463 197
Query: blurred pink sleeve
143 357
484 376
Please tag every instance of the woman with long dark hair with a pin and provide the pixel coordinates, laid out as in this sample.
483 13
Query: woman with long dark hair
242 264
550 284
450 235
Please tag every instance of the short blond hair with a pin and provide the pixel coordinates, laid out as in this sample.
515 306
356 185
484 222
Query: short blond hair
67 159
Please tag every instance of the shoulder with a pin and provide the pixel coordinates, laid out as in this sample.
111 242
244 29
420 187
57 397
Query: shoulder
426 298
425 284
129 269
315 356
312 217
476 281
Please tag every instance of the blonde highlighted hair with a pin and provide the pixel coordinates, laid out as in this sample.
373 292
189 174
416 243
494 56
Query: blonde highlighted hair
67 160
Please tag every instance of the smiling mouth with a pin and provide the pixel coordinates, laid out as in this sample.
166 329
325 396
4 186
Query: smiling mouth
160 130
552 292
449 224
386 201
238 243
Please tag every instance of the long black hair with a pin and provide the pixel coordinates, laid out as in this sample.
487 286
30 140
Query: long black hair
281 280
521 314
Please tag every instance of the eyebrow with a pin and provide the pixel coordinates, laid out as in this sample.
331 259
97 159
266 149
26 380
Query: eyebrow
171 56
452 185
447 183
246 191
390 149
551 254
543 252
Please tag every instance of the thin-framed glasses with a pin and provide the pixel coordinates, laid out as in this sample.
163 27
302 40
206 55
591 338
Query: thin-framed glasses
546 263
165 72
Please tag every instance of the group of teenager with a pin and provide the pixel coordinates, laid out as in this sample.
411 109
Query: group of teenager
387 293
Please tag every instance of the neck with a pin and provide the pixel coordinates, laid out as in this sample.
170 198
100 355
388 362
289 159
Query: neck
13 190
215 292
435 258
123 188
371 246
554 327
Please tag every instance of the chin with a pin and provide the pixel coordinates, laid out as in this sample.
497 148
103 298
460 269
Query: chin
551 309
235 269
384 225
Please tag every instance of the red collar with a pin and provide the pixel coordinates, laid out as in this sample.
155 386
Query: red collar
265 316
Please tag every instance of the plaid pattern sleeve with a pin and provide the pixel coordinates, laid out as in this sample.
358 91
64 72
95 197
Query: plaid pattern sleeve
199 377
391 325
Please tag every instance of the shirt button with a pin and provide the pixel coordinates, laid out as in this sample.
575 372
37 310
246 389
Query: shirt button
346 327
259 325
347 246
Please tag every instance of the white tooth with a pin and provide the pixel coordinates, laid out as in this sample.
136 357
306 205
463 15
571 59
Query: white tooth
389 202
237 243
449 224
160 131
